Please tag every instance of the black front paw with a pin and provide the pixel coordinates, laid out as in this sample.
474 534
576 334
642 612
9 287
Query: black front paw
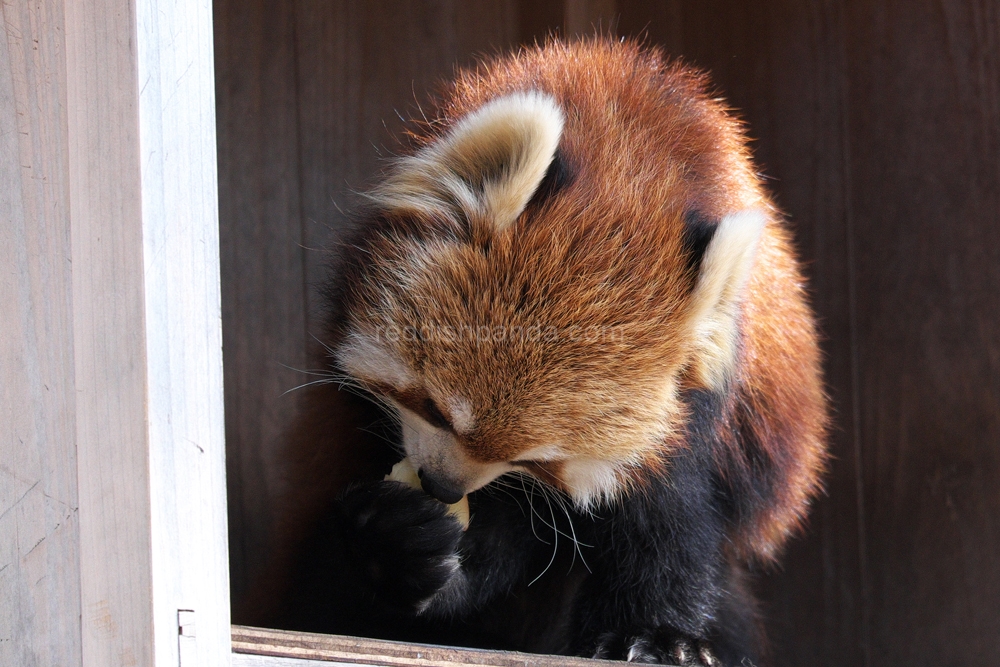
402 543
661 647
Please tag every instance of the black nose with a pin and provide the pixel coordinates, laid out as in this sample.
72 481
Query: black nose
443 490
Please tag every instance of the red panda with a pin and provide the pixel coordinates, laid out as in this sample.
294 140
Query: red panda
580 308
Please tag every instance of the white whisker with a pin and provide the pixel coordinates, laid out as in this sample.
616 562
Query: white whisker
532 513
329 350
555 546
507 483
307 384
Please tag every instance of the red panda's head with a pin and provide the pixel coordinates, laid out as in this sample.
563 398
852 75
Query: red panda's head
551 267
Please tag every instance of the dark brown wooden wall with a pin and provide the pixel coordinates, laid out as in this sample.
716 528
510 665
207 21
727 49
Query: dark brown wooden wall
879 123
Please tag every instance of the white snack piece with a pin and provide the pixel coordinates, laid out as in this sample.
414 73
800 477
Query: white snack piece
405 473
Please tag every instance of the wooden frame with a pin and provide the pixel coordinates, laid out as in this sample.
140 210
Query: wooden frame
257 647
113 306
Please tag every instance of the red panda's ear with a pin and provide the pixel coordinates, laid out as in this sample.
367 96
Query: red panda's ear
718 293
485 168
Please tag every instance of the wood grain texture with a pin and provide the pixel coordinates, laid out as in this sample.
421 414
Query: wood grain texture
39 529
924 114
781 65
878 124
263 289
183 331
146 330
359 650
355 87
585 17
251 660
538 20
109 334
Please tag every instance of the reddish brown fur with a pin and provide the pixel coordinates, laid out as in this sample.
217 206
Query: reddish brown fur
645 143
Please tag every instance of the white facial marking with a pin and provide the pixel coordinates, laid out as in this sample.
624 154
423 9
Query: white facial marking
590 481
369 359
542 453
463 419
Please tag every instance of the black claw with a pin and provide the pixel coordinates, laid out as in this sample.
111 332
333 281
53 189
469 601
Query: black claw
660 646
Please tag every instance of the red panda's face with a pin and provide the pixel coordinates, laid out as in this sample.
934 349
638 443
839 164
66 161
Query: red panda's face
490 375
544 334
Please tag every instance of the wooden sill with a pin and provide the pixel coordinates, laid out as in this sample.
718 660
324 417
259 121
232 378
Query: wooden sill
260 647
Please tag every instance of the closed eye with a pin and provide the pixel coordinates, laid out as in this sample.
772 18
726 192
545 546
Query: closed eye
434 415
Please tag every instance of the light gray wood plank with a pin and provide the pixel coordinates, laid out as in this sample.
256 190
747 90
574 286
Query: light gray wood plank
327 649
249 660
39 530
180 234
146 320
109 334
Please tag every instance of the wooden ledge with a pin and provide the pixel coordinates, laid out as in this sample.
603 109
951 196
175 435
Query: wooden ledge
359 650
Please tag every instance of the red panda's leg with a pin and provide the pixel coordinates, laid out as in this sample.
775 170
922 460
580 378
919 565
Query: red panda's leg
659 579
395 552
504 547
377 552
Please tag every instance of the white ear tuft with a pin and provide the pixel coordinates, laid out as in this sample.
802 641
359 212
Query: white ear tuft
715 306
487 167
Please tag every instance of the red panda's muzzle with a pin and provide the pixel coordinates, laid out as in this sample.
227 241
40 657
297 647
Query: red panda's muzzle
442 488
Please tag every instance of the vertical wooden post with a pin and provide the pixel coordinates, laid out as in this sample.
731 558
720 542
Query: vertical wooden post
144 214
112 479
183 330
39 518
112 434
